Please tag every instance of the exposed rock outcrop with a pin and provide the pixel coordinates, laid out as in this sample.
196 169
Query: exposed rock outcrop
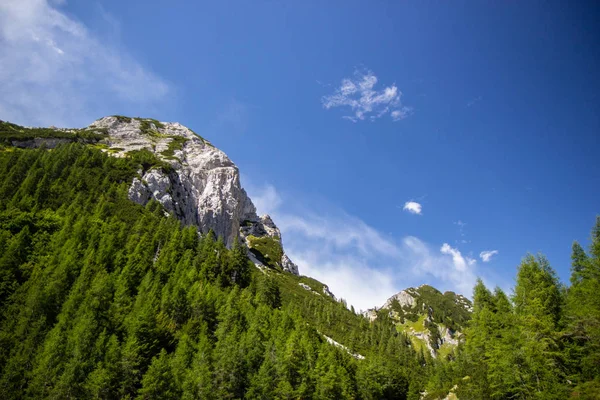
328 292
434 319
403 298
202 187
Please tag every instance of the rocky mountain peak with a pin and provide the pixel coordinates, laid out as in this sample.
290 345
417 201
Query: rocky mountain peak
201 185
434 320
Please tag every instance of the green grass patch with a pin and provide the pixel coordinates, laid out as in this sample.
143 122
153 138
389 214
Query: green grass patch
417 326
148 160
149 126
418 344
445 350
267 249
291 291
409 327
122 118
147 121
175 144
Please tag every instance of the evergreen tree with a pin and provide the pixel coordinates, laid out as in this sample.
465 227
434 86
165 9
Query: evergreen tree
158 381
578 263
103 298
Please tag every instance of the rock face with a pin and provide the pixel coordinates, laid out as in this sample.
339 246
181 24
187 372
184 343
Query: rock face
403 298
433 319
203 186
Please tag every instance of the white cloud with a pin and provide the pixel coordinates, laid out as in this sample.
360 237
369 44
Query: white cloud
412 207
486 256
358 262
460 263
349 278
359 95
54 71
450 269
402 113
266 199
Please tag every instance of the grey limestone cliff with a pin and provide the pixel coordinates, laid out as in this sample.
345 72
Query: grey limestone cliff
202 187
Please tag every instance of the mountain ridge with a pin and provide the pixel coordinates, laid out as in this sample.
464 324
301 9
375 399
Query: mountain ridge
435 321
198 183
103 297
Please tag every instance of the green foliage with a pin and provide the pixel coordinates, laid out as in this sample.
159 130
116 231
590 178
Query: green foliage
431 313
175 144
123 119
104 298
268 292
150 127
148 160
579 261
448 308
149 124
582 317
267 249
544 343
11 132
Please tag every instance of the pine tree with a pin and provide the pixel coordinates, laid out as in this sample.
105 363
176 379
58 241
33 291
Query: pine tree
199 382
538 311
582 333
158 381
578 263
268 292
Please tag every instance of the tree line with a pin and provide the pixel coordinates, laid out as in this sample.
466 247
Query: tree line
542 342
103 298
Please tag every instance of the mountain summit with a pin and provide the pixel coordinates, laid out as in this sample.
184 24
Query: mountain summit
196 182
434 321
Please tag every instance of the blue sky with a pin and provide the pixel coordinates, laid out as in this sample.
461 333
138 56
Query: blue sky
339 113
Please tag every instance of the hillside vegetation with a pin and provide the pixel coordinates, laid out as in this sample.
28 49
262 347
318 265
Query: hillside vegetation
433 320
103 298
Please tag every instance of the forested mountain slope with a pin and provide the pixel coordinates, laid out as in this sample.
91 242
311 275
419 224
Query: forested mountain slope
107 295
433 320
105 298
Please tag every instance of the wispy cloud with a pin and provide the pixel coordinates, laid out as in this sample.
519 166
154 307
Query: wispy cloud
266 199
412 207
357 261
474 101
486 256
447 269
460 263
54 71
462 232
360 96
